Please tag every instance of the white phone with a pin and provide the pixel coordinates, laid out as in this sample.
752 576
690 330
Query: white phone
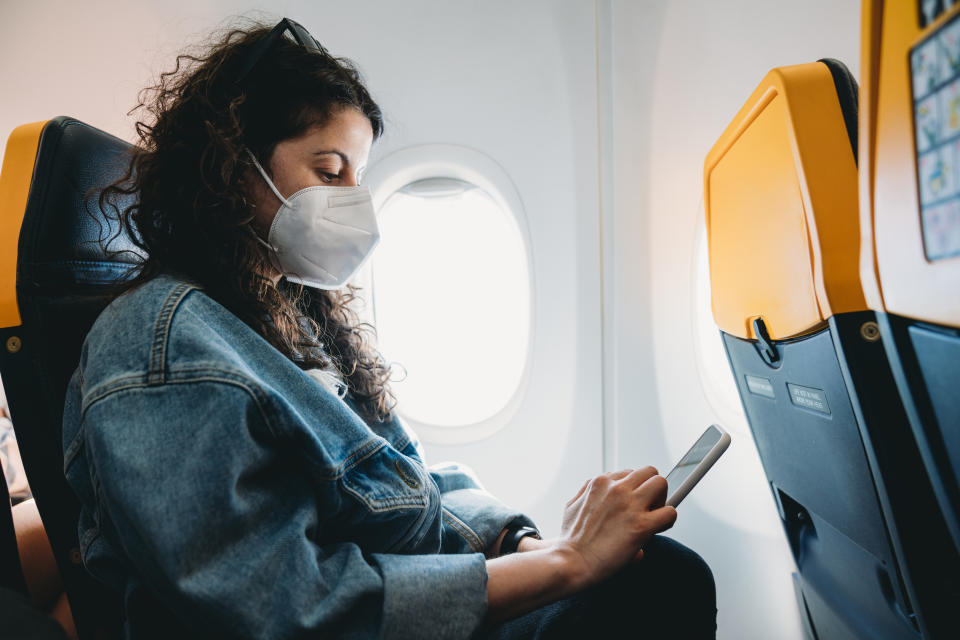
695 464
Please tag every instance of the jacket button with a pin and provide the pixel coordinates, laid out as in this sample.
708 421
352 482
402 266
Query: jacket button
411 482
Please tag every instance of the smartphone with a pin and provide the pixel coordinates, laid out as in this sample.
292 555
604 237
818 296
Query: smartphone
695 464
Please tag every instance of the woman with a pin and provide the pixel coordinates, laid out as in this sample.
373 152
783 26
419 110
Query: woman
230 431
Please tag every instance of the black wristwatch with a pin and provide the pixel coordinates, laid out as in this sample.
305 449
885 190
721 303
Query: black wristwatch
515 533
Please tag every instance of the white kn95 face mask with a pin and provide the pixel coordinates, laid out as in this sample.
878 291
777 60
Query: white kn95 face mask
321 235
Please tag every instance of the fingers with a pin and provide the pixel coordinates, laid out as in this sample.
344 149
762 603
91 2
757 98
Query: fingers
655 490
664 518
638 476
611 476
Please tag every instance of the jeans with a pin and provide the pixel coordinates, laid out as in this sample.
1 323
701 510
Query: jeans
670 593
20 620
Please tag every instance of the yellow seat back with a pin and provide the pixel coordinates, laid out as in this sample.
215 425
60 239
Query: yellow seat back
780 193
910 183
15 178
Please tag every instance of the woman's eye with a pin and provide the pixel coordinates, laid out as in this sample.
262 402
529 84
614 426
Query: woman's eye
328 177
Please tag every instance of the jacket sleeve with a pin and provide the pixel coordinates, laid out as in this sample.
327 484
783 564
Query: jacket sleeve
473 513
220 525
472 516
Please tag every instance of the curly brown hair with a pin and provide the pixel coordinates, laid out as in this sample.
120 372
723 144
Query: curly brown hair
192 203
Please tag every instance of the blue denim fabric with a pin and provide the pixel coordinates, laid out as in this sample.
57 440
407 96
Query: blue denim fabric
233 494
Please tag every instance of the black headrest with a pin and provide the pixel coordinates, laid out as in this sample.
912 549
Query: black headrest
848 95
64 278
60 241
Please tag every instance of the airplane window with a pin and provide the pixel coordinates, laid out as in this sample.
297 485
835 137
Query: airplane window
451 300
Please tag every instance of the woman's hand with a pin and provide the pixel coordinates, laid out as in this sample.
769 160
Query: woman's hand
610 519
604 527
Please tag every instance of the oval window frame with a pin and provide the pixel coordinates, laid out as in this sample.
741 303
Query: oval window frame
402 167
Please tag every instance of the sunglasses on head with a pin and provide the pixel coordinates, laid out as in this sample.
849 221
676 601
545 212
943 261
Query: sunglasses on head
257 51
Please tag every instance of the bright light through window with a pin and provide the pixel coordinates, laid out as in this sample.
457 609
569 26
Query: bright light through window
452 301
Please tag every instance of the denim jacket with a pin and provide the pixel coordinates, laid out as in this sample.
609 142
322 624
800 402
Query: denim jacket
225 492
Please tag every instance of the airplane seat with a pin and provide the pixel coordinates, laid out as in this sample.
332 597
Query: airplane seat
911 224
782 217
11 573
55 277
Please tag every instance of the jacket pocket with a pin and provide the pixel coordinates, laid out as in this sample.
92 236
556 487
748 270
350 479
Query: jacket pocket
384 480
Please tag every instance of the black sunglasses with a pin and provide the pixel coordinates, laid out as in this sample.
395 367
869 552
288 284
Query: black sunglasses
257 51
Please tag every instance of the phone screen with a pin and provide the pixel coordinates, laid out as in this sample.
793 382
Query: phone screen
695 456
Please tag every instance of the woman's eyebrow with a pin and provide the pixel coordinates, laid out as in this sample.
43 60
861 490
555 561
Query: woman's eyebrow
342 155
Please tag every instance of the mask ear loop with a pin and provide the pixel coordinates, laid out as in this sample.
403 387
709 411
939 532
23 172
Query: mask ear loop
266 178
273 188
259 239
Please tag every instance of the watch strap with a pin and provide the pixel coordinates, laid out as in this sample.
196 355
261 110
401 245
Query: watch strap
515 533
